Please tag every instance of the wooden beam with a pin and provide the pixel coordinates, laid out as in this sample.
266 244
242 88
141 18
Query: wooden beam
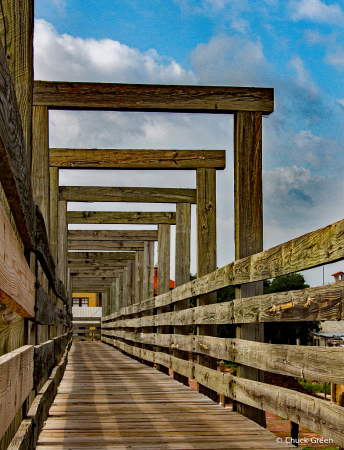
17 282
91 256
127 194
148 270
97 264
164 249
249 228
16 373
75 274
159 98
109 235
206 255
292 405
311 304
15 175
137 159
16 31
62 247
182 273
105 245
122 217
313 363
44 360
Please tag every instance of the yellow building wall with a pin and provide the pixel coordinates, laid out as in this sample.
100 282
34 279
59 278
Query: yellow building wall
93 299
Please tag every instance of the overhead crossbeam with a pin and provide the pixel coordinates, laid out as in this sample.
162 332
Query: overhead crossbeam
97 264
126 194
136 159
157 98
93 256
121 217
94 245
112 235
94 273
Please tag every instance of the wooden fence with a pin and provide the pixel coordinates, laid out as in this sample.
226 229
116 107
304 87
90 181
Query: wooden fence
124 329
35 299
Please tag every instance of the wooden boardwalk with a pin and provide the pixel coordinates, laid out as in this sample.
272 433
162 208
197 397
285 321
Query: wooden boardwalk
108 400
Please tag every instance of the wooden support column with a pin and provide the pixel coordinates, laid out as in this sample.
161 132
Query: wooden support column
62 252
16 32
206 255
41 187
182 273
125 289
148 270
115 287
249 227
108 300
120 290
148 288
138 277
164 244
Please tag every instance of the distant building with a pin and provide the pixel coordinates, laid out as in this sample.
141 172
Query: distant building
332 331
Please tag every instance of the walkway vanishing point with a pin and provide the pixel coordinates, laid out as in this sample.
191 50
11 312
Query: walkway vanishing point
107 400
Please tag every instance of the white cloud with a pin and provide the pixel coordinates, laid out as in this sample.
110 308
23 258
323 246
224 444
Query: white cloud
64 57
317 11
231 60
303 75
61 4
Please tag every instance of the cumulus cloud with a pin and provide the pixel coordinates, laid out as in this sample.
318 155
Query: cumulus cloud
317 11
303 75
64 57
232 60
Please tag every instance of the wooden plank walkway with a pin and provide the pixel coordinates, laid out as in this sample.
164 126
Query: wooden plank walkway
107 400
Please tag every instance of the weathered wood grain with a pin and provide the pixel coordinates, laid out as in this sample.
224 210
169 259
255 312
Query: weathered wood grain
182 272
313 363
137 159
17 282
14 167
206 255
121 217
12 330
322 246
24 436
160 98
93 272
16 31
108 235
248 206
94 245
317 415
94 256
126 194
45 308
311 304
164 261
44 360
16 382
96 264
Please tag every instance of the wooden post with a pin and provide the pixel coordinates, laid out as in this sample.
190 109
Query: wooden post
108 300
206 255
148 287
138 277
62 252
182 273
249 227
341 403
125 288
16 31
120 291
294 427
41 187
164 244
222 397
148 270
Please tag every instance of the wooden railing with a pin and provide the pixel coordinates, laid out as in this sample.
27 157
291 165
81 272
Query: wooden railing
35 315
124 329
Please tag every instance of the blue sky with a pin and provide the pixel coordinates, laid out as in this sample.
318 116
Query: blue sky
294 46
